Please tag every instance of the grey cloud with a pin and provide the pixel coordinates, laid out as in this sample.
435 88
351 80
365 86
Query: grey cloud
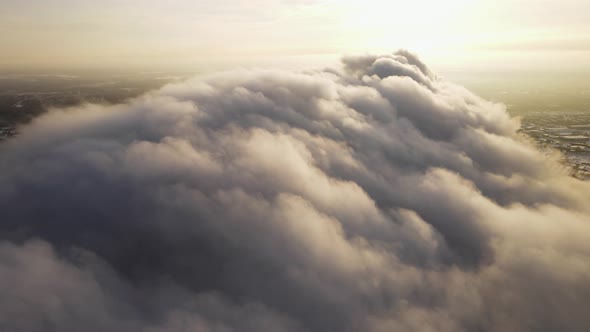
43 291
376 198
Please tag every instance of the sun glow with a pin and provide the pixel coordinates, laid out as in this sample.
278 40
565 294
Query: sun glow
420 25
185 32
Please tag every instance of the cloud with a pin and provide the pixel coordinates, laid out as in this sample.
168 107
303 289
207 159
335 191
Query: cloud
376 198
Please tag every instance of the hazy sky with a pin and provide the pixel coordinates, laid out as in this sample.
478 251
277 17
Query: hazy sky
177 33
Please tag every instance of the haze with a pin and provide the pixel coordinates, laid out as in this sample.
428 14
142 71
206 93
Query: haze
449 35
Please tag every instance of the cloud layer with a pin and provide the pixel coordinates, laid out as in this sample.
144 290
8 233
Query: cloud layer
376 197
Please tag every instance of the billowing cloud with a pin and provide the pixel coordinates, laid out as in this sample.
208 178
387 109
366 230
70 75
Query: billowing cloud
378 197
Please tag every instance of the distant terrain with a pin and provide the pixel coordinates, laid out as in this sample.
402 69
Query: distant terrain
566 131
25 96
554 109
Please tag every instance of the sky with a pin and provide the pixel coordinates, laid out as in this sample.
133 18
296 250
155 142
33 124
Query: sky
454 34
